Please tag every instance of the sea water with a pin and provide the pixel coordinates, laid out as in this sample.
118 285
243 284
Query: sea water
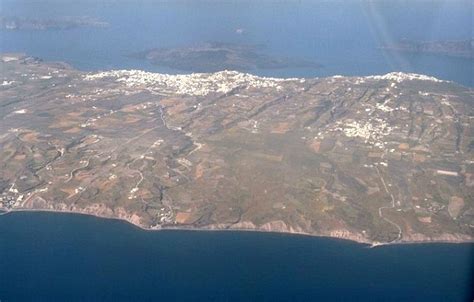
69 257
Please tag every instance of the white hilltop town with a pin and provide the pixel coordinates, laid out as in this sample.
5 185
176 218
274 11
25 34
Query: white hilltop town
201 84
198 84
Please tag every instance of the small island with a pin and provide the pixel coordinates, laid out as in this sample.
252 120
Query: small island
458 49
20 23
212 57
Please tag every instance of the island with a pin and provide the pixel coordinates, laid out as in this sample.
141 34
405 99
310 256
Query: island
22 23
217 56
457 49
377 159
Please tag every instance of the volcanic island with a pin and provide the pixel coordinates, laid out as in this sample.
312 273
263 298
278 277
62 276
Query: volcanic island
376 159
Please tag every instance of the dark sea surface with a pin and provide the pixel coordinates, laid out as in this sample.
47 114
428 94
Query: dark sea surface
67 257
344 36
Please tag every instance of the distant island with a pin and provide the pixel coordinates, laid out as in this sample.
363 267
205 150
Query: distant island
20 23
214 56
459 49
375 159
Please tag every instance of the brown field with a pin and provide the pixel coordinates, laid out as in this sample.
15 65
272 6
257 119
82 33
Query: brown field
315 146
69 190
419 157
30 137
281 128
425 219
404 146
82 175
270 157
182 217
19 157
170 101
64 122
199 171
144 193
73 130
74 114
129 108
130 119
456 204
106 184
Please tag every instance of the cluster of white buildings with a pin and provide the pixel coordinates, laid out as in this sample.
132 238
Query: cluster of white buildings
402 76
371 131
196 84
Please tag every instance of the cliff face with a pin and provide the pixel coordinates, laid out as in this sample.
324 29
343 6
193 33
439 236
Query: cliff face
374 159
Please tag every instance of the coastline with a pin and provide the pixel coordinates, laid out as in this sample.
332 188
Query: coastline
220 228
34 203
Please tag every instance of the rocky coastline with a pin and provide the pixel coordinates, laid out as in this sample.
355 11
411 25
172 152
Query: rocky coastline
245 226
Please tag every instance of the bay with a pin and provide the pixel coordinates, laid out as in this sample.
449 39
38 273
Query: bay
344 36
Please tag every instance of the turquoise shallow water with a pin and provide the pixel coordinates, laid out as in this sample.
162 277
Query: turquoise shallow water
67 257
341 35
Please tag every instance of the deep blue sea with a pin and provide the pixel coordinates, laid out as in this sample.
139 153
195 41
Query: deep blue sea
62 257
67 257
